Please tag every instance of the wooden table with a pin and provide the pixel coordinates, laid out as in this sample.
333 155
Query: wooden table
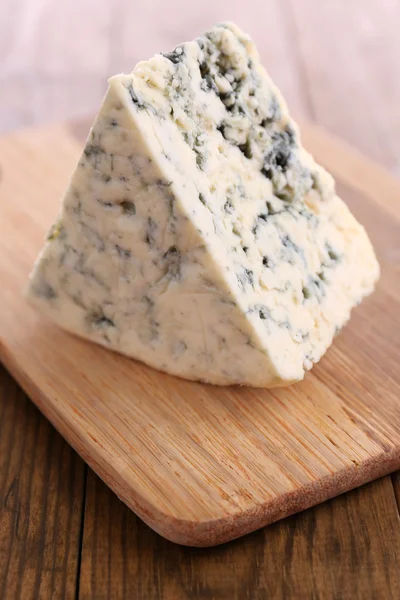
63 534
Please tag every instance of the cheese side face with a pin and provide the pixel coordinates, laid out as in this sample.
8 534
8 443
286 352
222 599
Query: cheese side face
197 235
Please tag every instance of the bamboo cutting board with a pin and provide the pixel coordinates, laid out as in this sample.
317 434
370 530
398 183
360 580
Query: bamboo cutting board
200 464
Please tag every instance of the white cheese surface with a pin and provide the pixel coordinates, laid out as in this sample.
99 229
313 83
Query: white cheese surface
196 234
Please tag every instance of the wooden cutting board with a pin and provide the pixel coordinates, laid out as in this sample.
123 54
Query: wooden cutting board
200 464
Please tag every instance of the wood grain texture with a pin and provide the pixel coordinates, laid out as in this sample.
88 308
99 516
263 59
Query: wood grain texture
348 548
58 57
353 168
41 509
200 464
396 488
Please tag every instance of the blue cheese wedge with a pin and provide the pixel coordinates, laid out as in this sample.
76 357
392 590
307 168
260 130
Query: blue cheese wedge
196 234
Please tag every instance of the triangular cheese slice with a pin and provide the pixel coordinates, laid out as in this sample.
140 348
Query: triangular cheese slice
197 235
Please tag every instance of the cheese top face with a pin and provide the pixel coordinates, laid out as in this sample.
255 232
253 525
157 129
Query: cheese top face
196 234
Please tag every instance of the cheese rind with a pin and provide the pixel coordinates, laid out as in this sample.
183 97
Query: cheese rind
196 234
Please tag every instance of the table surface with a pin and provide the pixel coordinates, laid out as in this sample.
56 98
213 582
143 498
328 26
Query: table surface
63 534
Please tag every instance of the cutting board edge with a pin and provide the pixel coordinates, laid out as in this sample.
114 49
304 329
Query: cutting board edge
377 187
212 532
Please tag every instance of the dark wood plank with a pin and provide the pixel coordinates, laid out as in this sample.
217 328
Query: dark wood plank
41 502
396 486
346 548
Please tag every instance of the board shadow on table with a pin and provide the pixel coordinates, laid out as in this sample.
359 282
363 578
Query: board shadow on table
64 533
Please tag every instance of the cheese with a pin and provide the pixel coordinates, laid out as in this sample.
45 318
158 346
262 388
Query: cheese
196 234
